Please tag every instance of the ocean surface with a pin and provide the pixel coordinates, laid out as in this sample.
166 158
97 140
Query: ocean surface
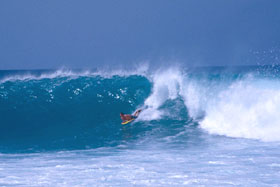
211 126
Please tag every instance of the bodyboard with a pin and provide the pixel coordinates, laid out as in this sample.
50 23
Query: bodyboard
128 121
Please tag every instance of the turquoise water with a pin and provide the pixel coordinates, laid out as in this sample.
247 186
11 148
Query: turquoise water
204 126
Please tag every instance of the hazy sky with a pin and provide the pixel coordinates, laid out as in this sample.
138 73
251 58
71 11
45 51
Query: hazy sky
92 33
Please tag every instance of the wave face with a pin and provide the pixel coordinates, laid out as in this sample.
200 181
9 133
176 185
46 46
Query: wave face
61 110
66 112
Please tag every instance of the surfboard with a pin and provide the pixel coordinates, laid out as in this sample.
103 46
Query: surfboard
126 122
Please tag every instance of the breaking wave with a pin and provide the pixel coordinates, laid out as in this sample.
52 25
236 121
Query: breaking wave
80 109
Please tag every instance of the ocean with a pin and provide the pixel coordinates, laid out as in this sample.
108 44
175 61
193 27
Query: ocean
207 126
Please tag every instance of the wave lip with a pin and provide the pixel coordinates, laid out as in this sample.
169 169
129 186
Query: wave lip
26 76
49 75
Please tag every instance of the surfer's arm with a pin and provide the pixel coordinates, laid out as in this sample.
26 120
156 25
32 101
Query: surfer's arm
137 113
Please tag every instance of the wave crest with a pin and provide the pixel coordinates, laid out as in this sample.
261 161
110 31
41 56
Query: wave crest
140 70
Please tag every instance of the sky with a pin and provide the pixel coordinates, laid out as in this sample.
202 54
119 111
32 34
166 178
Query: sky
38 34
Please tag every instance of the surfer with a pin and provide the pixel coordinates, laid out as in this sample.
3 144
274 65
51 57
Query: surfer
127 117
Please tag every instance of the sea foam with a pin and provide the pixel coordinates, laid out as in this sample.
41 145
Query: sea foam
247 108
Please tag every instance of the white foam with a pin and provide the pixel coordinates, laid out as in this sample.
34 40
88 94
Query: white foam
166 85
194 96
248 109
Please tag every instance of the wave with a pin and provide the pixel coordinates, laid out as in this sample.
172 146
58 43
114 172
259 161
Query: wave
243 105
80 109
58 112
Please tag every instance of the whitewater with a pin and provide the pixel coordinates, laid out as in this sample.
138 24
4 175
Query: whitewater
208 126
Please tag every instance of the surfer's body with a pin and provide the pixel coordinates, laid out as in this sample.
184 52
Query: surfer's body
128 117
